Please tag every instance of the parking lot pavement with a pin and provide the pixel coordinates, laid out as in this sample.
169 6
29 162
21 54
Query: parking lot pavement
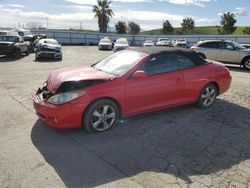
181 147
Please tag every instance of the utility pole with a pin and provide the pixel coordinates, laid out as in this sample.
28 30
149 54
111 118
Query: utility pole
47 22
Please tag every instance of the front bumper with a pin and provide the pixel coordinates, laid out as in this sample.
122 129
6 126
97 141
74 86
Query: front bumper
7 50
68 115
48 54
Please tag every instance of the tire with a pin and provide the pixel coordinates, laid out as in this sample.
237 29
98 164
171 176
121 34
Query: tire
246 64
18 53
37 58
207 96
201 55
101 116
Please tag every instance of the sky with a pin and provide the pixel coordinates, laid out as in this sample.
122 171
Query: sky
148 13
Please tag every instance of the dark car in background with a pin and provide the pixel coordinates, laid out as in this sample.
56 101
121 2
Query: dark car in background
13 45
48 48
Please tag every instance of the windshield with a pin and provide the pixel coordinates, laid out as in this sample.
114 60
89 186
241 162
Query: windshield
105 41
122 41
51 42
148 41
164 39
9 38
119 63
238 46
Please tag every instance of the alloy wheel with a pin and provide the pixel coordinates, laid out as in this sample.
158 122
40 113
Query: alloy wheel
103 117
208 96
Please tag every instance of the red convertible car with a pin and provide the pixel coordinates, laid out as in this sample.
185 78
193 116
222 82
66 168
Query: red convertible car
127 83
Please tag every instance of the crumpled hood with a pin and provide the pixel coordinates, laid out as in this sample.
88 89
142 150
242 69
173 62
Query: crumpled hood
57 77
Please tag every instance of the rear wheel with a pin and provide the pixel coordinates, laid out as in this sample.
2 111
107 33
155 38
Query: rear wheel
101 116
207 96
246 63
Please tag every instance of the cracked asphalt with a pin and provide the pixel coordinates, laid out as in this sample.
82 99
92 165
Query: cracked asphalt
180 147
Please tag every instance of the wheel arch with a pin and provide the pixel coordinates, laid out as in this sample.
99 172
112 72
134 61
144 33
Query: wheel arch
216 84
243 60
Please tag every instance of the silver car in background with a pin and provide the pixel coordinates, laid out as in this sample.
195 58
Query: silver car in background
224 51
163 42
48 48
105 44
148 43
121 44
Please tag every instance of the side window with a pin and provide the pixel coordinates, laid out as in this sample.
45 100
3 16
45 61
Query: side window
229 46
209 45
184 62
162 63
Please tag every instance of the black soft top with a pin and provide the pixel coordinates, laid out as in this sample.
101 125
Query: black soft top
152 51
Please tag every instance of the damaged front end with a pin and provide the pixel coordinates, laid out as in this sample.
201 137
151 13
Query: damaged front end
66 92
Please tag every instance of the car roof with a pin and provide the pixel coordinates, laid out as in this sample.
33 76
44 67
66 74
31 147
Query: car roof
159 50
214 40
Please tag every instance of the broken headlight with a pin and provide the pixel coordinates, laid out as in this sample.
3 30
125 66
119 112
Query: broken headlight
62 98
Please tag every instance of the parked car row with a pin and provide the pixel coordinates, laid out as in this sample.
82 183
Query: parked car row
21 41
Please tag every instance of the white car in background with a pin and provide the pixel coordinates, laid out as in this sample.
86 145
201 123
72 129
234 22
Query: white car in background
148 43
179 42
163 42
105 44
121 44
48 48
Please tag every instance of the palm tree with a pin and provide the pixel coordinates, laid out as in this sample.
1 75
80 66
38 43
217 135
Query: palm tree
103 12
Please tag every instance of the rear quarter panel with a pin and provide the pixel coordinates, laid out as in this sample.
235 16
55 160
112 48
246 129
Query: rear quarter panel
197 78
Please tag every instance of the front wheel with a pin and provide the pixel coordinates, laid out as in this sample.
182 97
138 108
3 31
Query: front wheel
207 96
246 63
101 116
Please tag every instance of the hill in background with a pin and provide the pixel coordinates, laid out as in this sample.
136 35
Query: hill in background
206 30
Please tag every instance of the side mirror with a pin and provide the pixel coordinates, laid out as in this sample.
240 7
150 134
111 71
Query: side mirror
139 74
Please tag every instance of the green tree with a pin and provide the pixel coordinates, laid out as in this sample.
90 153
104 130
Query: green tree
103 13
133 28
167 28
187 25
246 31
227 24
121 27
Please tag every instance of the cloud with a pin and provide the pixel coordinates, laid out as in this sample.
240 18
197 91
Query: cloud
93 2
240 11
200 3
15 5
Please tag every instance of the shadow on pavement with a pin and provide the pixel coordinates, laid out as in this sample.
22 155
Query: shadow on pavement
5 59
184 141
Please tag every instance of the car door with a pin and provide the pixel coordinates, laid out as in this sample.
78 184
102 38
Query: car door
210 49
163 85
228 53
